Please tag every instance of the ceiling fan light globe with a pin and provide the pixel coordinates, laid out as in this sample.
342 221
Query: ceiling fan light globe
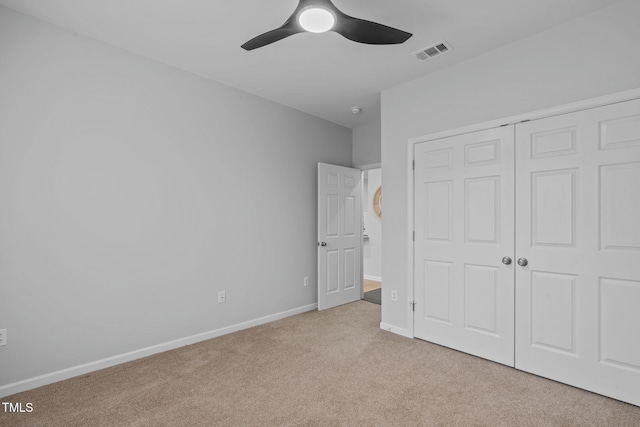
316 19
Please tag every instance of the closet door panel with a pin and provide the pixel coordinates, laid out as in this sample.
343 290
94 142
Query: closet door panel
464 227
578 227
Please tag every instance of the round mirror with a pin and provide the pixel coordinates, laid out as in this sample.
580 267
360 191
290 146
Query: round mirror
377 202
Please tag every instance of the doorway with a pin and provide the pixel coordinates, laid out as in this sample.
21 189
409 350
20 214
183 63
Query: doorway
372 234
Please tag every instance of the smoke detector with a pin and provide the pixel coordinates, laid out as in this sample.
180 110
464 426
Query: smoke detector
356 110
432 51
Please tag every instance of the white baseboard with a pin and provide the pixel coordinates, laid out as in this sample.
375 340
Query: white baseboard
376 278
395 330
75 371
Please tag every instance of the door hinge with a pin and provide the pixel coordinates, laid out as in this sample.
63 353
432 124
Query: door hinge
413 305
413 164
414 236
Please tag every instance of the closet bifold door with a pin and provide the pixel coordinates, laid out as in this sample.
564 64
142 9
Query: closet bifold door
464 234
577 260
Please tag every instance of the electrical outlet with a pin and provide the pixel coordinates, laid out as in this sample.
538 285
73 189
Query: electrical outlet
222 297
306 280
3 337
394 295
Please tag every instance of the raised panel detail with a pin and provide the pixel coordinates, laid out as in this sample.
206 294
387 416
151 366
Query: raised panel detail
619 133
482 153
554 143
438 208
480 303
438 159
553 311
620 206
349 182
332 215
350 219
333 280
349 268
554 207
482 209
620 323
437 286
333 179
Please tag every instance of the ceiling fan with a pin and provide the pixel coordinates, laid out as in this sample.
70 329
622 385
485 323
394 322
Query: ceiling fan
319 16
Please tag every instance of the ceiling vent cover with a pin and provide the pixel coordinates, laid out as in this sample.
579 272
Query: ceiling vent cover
433 51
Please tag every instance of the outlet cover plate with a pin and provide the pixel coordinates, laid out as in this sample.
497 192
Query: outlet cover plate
3 337
222 297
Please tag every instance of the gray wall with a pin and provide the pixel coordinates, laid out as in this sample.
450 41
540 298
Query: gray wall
132 192
367 144
588 57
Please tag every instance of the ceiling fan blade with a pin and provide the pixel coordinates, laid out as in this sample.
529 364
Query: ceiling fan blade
368 32
357 30
272 36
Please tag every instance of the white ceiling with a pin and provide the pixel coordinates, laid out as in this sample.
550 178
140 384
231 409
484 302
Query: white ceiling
321 74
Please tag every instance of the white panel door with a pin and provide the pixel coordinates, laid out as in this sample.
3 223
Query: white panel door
578 226
339 235
464 227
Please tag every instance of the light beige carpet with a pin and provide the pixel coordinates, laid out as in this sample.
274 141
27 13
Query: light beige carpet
331 368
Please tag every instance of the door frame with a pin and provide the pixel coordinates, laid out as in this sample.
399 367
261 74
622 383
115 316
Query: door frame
613 98
363 168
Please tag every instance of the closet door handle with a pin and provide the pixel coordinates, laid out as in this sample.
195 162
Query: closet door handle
506 260
522 262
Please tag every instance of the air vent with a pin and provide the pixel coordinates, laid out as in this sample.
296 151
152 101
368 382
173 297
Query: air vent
432 51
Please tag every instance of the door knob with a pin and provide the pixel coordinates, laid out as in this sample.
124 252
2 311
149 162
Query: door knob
522 262
506 260
323 244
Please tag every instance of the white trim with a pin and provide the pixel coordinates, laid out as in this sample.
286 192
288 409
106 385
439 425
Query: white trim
75 371
395 330
363 168
369 166
410 241
585 104
363 203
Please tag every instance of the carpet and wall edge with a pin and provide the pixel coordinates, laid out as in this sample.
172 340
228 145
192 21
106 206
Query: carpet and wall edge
64 374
